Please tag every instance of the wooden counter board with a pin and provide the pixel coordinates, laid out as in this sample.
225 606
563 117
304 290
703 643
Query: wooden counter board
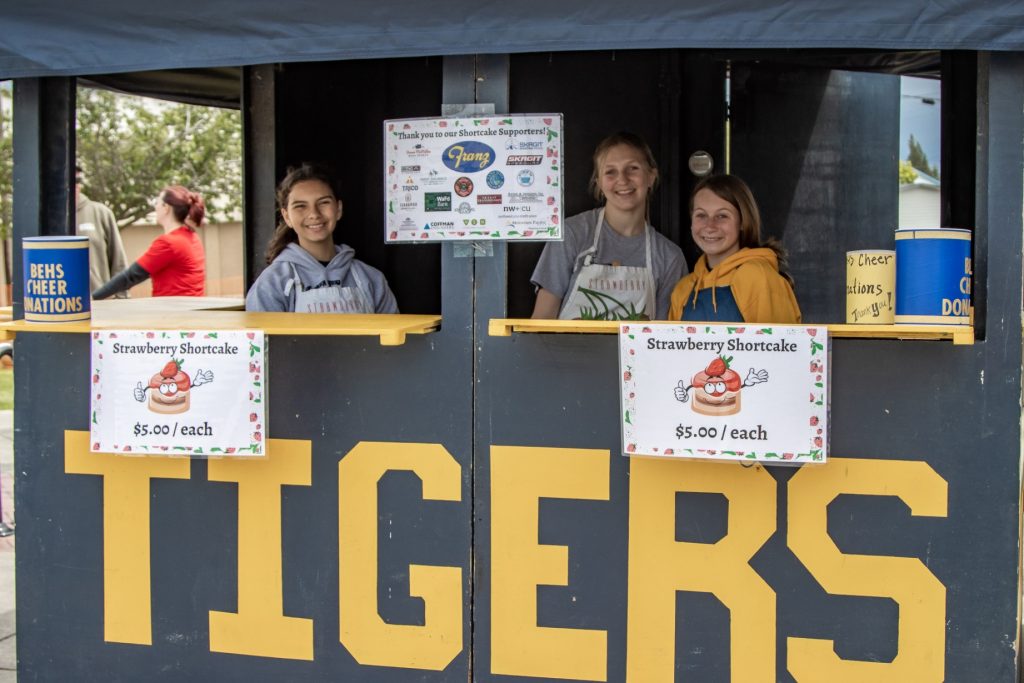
183 313
958 334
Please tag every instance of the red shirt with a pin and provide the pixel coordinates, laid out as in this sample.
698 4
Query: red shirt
177 263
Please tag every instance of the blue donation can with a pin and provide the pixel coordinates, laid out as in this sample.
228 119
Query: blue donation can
56 278
933 276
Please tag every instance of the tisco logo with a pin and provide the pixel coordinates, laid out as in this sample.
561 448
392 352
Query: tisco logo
468 156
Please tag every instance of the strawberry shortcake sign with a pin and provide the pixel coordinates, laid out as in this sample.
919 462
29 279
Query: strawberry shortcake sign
725 392
180 392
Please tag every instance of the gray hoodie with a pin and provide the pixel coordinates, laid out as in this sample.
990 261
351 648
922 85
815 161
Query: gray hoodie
271 292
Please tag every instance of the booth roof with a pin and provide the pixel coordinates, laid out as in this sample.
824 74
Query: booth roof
72 38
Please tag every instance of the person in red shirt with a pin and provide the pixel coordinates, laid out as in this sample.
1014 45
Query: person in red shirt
175 260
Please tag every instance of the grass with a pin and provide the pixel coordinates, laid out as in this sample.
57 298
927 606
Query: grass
6 389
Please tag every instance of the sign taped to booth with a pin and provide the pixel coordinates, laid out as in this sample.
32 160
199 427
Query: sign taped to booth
489 177
724 392
178 392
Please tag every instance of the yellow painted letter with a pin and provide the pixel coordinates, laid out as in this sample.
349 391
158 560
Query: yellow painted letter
260 627
659 565
920 596
127 607
520 476
370 640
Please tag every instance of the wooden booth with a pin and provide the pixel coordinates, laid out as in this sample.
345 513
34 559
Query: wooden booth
444 495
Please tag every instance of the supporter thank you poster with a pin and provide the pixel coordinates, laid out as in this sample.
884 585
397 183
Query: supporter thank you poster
497 177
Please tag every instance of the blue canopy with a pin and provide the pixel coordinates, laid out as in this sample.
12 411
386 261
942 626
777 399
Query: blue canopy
60 37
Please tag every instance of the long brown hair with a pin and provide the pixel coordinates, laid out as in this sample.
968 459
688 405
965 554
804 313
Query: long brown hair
284 235
736 192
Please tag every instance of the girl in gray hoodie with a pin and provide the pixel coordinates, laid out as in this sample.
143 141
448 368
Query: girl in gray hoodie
308 272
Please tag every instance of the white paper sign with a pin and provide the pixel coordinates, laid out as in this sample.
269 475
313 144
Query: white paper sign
492 177
725 392
184 392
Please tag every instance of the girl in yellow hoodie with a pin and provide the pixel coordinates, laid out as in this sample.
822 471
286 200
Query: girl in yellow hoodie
738 277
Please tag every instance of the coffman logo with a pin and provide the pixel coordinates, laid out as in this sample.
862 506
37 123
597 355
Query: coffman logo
469 156
524 159
442 224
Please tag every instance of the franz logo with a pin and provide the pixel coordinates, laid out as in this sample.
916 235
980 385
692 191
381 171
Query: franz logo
469 156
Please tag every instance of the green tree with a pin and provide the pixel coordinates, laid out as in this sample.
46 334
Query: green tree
919 160
907 173
131 148
6 164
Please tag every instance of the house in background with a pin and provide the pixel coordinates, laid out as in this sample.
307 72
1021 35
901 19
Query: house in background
919 203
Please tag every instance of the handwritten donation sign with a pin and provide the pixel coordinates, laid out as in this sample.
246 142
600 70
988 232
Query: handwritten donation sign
182 392
724 392
497 177
870 287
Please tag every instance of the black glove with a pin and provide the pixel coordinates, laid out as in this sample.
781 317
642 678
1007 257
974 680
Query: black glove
125 280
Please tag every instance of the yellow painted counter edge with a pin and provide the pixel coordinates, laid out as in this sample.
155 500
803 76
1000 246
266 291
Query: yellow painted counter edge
959 335
390 328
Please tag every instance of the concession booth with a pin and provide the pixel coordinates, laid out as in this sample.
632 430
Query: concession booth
444 494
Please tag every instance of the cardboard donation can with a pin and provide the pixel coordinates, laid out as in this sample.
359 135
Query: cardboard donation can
870 286
56 278
933 276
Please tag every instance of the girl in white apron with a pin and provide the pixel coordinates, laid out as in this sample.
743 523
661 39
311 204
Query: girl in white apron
308 272
610 292
624 270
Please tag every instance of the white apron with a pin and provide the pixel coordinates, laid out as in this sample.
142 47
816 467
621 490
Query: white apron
330 298
605 292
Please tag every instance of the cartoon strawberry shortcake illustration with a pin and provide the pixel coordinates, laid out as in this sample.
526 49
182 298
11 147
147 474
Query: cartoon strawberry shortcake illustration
717 388
170 390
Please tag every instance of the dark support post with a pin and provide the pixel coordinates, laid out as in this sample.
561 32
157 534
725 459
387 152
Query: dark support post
492 80
961 132
44 165
259 165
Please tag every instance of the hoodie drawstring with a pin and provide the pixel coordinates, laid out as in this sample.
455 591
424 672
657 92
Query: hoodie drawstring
697 286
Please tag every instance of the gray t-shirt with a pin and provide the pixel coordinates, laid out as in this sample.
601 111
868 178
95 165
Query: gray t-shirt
558 266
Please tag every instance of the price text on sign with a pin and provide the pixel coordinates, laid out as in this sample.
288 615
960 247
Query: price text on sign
724 392
184 392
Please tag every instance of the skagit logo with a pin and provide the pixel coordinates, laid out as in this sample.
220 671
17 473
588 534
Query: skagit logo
524 159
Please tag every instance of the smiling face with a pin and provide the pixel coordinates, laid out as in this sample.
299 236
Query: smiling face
625 179
715 225
312 211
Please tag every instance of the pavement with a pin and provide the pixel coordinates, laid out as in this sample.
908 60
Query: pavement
8 659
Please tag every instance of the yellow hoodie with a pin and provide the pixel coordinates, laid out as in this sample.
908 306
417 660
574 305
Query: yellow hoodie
745 287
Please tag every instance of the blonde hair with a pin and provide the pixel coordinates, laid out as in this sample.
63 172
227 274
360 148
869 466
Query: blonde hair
614 140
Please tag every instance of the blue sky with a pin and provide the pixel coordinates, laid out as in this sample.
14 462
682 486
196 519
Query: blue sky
919 115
